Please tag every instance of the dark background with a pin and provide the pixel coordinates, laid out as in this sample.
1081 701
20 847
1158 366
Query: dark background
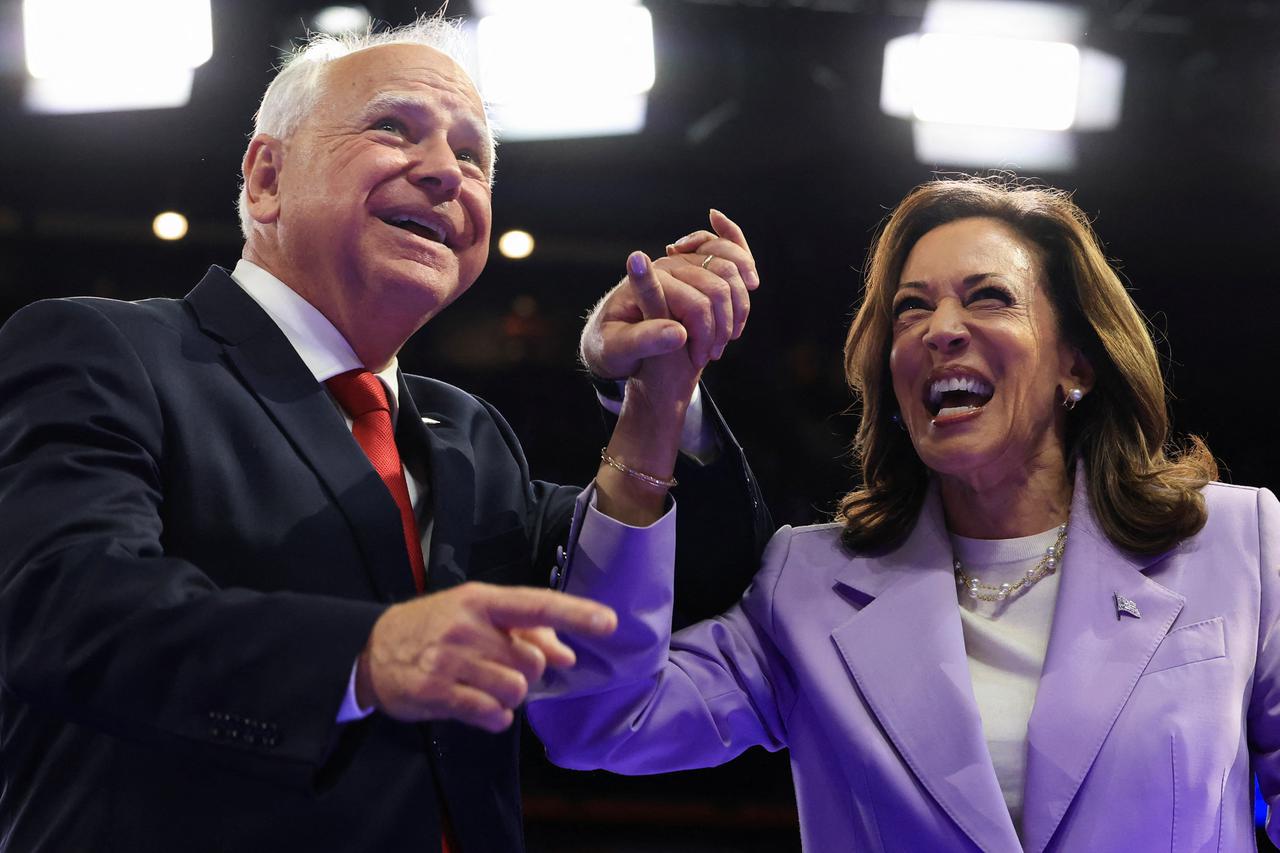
767 109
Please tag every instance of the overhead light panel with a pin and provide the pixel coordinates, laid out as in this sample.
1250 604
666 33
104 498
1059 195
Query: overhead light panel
565 68
1000 83
93 56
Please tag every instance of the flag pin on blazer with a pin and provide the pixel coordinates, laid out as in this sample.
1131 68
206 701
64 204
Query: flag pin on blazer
1124 605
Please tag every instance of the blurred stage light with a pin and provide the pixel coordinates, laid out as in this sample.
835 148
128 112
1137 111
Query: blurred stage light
516 244
999 83
169 225
968 80
93 56
565 68
109 91
336 20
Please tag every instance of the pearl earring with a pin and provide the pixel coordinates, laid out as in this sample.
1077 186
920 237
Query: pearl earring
1075 395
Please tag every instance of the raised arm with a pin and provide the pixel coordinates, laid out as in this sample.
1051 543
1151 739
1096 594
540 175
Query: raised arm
661 326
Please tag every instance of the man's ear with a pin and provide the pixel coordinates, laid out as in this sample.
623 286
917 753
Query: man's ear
261 170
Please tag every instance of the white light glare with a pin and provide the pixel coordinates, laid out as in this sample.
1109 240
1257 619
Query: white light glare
94 56
81 38
1000 147
1019 19
994 82
336 20
108 91
169 225
516 244
566 68
998 82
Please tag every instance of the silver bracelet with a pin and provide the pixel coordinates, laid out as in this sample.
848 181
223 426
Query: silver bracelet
647 479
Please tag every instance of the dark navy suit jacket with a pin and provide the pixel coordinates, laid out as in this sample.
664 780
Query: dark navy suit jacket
193 550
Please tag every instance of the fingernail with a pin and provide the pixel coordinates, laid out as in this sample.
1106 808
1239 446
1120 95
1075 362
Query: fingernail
715 212
753 278
671 248
685 237
636 263
602 621
672 336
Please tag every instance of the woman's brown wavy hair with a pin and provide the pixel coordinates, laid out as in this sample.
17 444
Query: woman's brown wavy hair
1144 492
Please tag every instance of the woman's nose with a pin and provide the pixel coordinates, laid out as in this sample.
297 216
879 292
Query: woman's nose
947 331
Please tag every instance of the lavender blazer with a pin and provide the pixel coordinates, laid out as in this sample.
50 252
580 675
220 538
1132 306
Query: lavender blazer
1142 736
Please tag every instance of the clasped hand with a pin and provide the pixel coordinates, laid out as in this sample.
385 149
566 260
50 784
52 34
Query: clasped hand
691 302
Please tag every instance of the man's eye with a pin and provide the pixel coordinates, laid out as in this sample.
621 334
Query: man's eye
468 156
389 125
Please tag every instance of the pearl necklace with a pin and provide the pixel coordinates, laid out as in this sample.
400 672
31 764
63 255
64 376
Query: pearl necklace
989 592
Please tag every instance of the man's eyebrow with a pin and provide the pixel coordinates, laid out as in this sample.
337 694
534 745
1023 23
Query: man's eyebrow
385 102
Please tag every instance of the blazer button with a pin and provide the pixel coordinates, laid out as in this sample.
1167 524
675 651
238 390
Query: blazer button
560 556
555 577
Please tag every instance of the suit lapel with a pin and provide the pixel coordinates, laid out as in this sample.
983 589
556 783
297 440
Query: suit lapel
263 358
450 460
1092 665
905 650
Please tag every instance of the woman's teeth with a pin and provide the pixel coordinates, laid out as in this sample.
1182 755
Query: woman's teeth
969 384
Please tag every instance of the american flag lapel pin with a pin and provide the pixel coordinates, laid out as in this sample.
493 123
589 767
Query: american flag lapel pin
1124 605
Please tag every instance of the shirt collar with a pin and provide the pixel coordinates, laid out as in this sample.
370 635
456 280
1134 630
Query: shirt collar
318 342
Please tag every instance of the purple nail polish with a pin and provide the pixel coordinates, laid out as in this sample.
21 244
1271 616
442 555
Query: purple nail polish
637 263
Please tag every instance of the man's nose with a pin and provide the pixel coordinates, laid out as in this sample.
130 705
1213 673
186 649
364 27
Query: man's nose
436 168
948 332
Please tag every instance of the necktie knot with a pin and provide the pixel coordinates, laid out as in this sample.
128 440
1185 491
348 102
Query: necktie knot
358 392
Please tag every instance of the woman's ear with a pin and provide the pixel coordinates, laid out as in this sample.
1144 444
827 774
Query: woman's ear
1077 370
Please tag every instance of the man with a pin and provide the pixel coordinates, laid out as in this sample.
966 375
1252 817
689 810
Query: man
236 613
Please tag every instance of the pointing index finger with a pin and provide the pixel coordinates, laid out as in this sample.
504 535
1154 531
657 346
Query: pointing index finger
524 607
644 284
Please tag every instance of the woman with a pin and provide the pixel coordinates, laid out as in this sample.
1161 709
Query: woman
1029 628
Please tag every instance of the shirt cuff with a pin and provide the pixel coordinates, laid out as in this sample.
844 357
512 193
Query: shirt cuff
698 438
351 710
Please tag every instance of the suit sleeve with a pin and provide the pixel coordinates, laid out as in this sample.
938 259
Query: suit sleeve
97 623
1264 706
723 527
644 700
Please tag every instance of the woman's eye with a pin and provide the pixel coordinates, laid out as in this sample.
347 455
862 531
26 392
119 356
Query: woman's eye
902 306
986 294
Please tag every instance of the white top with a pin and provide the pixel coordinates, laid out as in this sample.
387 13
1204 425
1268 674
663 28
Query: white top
1006 643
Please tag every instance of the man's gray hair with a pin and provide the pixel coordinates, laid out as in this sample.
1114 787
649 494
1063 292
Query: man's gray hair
293 93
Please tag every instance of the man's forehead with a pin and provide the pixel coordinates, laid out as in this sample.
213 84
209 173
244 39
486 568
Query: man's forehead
409 70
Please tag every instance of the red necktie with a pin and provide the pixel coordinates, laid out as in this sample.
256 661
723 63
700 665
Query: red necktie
361 394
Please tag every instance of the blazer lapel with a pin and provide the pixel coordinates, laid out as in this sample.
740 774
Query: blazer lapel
905 650
1092 666
260 353
450 460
